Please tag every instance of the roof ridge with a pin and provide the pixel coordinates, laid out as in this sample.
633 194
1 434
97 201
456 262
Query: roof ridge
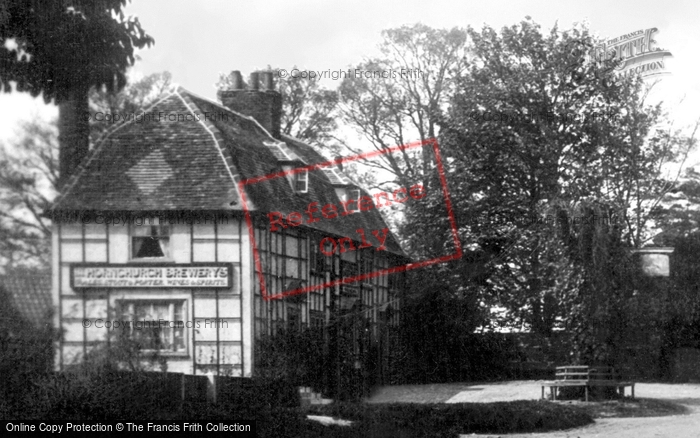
142 110
241 115
216 136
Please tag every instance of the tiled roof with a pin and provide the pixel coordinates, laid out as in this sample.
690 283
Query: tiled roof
26 296
186 161
282 152
336 178
156 164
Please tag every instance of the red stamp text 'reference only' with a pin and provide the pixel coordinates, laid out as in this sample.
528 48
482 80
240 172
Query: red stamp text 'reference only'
331 211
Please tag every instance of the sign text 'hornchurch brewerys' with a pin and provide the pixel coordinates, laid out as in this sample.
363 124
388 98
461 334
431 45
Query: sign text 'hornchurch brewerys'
213 275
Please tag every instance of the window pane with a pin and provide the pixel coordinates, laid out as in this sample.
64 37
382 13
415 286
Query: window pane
147 247
179 344
304 247
140 230
302 179
136 244
149 241
292 246
292 268
178 313
278 239
157 325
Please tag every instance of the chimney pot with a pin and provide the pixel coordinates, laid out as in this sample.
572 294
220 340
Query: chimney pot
237 80
264 105
268 81
255 80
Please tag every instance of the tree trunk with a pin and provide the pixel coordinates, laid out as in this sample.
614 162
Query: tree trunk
73 132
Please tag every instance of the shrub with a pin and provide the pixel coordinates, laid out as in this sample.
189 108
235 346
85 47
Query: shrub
101 394
111 382
257 393
291 355
23 358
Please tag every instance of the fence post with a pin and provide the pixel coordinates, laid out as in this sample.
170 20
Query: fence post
211 387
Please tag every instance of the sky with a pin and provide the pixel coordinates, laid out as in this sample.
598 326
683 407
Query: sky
196 41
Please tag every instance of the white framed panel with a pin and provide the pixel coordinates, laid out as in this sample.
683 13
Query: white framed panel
229 330
95 231
71 251
204 251
230 354
73 331
96 252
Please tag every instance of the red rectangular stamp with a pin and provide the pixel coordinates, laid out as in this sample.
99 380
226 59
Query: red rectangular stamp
340 210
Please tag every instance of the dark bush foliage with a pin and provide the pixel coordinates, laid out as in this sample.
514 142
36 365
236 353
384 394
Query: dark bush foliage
257 393
24 356
106 394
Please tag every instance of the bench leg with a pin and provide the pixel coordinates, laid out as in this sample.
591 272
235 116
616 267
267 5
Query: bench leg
586 393
632 391
542 392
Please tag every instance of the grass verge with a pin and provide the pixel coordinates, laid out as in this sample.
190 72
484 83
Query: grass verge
450 420
626 408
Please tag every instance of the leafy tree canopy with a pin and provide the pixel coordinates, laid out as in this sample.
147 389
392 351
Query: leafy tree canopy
51 48
532 126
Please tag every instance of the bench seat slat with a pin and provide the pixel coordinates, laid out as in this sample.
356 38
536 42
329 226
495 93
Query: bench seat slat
586 376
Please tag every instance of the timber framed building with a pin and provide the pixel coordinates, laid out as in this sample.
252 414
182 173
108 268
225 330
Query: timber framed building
151 227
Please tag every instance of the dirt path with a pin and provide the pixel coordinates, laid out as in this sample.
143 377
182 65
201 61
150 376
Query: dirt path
676 426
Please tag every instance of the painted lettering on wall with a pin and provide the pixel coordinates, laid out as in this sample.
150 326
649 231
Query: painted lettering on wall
214 275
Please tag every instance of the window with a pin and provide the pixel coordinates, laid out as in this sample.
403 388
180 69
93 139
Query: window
367 260
319 261
155 325
348 269
394 282
293 319
317 319
354 206
150 241
301 182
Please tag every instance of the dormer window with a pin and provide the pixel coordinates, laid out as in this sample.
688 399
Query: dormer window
150 240
301 182
354 194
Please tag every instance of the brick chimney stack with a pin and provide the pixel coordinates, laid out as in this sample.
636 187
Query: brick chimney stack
260 100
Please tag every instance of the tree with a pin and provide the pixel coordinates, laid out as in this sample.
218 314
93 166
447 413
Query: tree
28 181
643 164
137 96
29 172
528 128
61 50
399 97
596 277
677 215
308 111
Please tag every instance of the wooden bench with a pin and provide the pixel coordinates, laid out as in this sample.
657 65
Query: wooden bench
583 375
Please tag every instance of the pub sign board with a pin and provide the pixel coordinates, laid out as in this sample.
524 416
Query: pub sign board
150 275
